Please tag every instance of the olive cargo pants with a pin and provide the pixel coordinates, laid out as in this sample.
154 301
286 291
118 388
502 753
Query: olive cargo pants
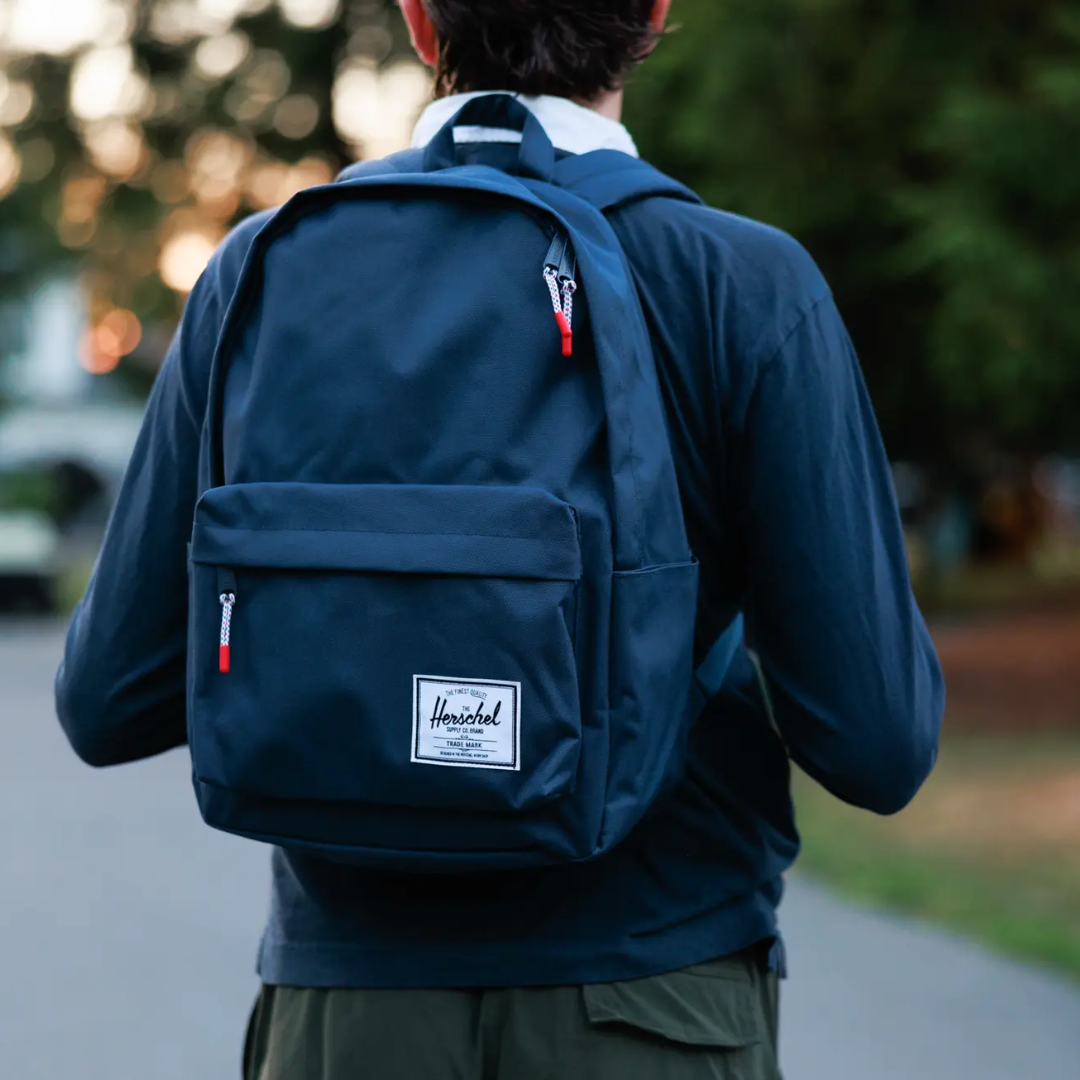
715 1020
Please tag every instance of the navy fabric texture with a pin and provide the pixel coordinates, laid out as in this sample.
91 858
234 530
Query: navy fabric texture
319 705
396 528
788 505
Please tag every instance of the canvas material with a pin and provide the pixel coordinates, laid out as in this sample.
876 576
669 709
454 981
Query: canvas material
410 487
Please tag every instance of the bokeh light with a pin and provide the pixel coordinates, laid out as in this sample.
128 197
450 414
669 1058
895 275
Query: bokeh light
374 108
310 14
62 26
104 83
184 257
116 147
113 337
297 116
225 10
260 88
10 166
219 56
16 101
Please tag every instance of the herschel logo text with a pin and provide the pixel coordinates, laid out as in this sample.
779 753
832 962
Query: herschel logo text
466 723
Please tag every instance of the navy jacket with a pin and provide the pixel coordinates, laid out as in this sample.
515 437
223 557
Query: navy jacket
790 509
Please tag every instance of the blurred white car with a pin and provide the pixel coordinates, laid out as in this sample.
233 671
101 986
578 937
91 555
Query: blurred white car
94 441
30 561
82 450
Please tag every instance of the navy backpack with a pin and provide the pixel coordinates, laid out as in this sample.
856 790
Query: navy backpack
442 600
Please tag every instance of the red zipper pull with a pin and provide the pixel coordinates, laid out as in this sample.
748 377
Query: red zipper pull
562 317
569 288
228 602
567 334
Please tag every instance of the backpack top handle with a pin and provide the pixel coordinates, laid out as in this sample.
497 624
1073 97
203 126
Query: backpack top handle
536 155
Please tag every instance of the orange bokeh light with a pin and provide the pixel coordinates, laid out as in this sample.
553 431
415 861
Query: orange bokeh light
116 334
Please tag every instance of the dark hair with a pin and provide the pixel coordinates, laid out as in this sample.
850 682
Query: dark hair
570 48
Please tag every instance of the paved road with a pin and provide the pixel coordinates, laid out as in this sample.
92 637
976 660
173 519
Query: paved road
128 932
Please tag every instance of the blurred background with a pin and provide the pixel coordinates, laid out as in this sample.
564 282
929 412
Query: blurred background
925 153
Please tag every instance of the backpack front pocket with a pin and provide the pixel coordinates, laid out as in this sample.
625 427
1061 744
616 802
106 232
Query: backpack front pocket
392 645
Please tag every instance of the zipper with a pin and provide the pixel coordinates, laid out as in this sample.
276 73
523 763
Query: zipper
567 264
560 270
227 599
554 257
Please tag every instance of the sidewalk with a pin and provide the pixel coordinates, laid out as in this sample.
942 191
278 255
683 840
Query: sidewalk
876 998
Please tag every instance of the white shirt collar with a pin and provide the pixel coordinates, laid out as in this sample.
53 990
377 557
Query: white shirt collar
570 127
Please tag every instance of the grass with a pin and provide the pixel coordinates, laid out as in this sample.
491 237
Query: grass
990 848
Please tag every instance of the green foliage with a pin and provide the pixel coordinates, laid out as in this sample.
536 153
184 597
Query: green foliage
921 151
30 489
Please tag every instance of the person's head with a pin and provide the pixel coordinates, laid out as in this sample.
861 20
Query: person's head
580 49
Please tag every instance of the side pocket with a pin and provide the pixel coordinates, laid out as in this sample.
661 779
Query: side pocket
652 675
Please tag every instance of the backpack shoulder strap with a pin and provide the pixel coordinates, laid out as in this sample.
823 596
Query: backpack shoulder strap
610 179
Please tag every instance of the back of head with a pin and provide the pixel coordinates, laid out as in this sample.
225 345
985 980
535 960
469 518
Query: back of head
579 49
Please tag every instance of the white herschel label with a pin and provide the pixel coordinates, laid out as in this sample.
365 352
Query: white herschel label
474 724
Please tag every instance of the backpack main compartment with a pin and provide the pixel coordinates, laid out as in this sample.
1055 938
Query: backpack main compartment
442 602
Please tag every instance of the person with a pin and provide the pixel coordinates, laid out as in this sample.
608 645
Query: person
662 957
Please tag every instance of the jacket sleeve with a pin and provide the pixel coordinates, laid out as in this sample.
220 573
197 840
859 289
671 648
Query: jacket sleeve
120 690
855 682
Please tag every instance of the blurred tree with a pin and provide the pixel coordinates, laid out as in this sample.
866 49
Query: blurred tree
921 151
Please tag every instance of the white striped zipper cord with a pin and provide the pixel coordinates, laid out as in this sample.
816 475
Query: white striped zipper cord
552 279
228 602
569 288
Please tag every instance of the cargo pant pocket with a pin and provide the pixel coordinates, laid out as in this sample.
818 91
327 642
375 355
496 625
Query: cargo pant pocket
710 1020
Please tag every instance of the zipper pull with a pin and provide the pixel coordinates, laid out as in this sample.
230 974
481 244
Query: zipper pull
569 287
562 317
227 599
567 276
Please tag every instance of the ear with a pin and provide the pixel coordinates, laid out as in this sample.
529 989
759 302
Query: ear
422 33
659 14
